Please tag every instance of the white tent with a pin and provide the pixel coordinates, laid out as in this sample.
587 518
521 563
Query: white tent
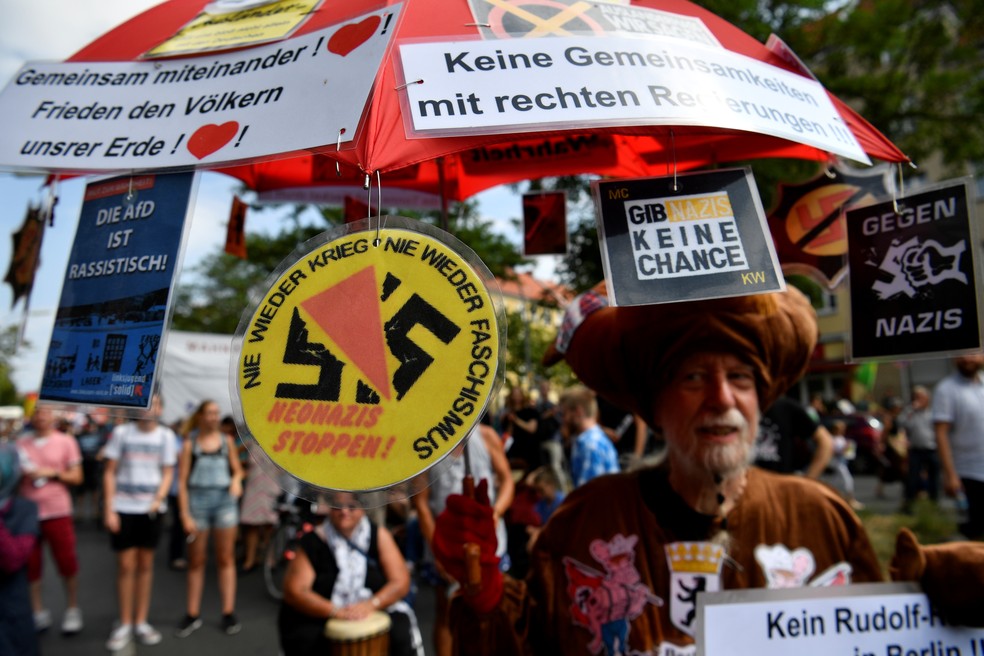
11 412
195 368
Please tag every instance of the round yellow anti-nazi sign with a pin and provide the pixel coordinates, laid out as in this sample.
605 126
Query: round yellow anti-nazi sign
369 358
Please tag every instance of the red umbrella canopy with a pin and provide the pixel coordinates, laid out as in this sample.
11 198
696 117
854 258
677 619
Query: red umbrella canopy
460 161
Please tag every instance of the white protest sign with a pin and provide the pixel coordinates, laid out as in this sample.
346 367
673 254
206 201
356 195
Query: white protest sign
686 237
470 87
881 619
706 221
200 111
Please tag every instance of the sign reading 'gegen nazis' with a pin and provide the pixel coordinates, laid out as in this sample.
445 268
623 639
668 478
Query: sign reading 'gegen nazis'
913 281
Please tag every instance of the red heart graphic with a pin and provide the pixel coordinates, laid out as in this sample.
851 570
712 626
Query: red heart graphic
209 138
350 37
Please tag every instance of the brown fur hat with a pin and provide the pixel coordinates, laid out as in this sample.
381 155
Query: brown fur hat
627 354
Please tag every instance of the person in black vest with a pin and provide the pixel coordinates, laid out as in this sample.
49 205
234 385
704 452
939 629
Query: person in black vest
346 568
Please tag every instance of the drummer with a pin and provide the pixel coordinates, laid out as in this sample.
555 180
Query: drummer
347 568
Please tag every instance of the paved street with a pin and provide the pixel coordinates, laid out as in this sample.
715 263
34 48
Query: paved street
256 610
97 597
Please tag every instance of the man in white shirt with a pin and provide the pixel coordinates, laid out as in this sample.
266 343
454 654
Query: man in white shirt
140 458
958 416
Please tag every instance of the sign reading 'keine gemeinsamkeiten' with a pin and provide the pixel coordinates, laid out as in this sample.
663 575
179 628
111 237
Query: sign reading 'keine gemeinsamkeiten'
575 81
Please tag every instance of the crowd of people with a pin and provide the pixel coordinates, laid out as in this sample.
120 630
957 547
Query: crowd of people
897 440
193 486
678 428
618 567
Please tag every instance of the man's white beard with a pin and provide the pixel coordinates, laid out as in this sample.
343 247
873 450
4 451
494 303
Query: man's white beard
725 460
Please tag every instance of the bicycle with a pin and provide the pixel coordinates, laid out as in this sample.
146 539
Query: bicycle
297 518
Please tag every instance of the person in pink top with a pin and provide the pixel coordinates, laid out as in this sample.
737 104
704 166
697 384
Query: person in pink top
50 462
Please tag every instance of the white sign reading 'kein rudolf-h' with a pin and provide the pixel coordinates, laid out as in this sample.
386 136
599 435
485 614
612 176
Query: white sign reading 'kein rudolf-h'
299 93
468 87
872 619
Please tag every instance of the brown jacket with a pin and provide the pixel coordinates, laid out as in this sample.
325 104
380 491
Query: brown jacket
601 573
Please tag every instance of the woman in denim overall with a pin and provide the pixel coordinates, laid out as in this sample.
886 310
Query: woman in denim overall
210 484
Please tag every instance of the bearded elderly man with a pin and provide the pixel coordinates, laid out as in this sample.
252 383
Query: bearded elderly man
619 566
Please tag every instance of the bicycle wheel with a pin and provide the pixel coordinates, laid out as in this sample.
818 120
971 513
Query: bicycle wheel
275 561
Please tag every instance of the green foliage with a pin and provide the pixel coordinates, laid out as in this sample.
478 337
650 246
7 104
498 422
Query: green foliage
810 287
219 293
760 18
911 68
8 346
927 522
581 268
215 301
499 254
527 342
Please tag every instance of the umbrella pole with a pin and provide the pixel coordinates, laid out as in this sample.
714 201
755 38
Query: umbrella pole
473 553
444 196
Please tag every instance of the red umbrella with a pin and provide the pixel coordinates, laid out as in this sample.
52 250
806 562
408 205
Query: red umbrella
461 165
456 176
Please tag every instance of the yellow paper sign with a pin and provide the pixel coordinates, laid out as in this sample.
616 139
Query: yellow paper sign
236 23
366 362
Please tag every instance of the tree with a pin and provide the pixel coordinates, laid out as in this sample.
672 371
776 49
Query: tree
912 68
499 254
526 343
8 348
760 18
215 301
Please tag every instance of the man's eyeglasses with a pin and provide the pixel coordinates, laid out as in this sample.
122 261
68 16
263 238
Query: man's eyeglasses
351 507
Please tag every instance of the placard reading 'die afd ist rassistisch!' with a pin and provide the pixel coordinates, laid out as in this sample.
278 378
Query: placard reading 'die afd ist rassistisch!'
114 303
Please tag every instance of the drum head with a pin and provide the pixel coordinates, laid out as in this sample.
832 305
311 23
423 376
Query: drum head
341 630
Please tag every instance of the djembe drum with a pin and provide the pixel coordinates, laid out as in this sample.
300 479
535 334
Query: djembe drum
365 637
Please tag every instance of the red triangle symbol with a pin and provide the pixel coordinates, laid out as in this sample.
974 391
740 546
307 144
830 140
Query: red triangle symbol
349 313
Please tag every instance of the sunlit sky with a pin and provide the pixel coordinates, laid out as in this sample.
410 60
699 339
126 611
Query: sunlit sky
52 30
